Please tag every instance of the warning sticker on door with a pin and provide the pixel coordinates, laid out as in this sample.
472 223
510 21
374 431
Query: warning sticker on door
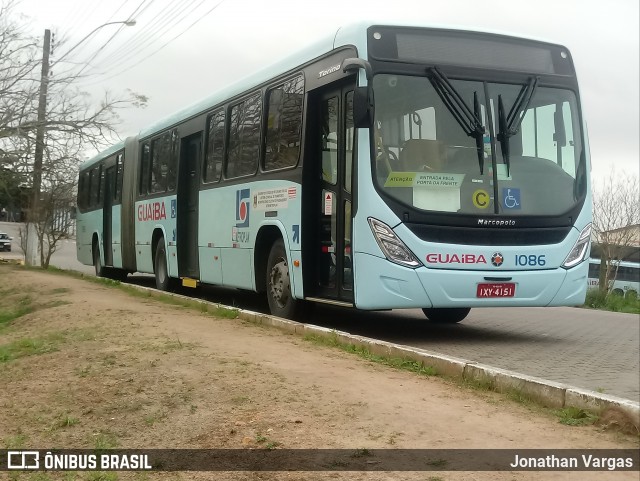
328 203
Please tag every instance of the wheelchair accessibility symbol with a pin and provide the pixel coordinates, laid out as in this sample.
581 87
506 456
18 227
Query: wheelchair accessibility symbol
511 198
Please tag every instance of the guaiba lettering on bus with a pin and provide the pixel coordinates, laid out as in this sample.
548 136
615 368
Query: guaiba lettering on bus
152 211
455 259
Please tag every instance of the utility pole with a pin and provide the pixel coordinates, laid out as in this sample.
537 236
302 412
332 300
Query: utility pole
32 235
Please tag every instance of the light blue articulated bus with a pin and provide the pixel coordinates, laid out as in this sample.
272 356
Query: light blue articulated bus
386 167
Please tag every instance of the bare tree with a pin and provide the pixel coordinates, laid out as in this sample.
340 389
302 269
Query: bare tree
616 219
73 122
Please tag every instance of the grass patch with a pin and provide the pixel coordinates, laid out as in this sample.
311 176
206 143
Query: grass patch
152 419
17 441
23 306
214 311
361 453
35 346
105 441
27 347
521 398
65 421
59 290
168 345
437 463
611 301
365 353
572 416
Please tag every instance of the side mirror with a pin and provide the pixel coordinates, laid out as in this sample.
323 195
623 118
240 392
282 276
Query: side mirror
362 96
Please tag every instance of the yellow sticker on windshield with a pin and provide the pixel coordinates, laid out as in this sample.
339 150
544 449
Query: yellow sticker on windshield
481 199
400 179
426 180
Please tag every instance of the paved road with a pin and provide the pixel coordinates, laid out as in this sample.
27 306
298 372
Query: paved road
595 350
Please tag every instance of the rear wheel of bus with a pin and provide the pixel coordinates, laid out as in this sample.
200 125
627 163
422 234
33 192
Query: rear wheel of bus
449 315
279 296
163 281
97 261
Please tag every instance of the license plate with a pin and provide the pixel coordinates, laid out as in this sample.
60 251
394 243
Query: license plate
503 289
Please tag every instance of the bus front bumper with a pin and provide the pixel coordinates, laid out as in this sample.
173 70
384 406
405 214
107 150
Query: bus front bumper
381 284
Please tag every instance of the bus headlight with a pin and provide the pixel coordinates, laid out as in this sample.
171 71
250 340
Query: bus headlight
393 248
579 250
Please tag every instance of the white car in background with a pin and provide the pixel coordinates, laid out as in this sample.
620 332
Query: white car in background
5 242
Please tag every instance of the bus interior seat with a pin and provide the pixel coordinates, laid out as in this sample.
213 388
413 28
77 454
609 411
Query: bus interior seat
420 155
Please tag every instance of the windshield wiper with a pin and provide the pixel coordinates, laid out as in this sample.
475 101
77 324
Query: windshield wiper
468 120
510 125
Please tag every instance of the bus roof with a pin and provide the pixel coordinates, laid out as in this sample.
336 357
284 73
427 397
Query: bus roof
102 155
349 34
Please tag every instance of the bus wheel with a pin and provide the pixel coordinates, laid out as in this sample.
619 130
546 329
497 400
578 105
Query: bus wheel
97 262
447 315
163 281
281 301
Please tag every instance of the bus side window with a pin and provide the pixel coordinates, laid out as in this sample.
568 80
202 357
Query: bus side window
117 197
143 187
284 122
94 189
101 187
215 147
161 154
172 161
82 190
244 137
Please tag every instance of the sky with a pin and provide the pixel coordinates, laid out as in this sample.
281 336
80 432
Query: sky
180 51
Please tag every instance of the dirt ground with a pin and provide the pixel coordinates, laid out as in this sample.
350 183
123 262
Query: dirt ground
95 367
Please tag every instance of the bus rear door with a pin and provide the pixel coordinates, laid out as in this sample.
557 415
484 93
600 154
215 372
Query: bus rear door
187 211
107 215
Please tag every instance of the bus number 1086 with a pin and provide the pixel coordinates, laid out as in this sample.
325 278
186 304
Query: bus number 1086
531 260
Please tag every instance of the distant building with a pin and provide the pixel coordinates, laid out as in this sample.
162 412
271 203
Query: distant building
627 240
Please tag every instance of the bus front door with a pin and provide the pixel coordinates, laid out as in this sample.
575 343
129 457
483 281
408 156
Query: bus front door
334 270
187 212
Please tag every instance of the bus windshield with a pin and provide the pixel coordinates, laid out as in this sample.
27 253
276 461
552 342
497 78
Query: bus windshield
427 159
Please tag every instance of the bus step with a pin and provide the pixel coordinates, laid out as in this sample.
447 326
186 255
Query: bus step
187 282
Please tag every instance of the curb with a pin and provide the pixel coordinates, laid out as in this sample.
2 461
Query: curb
548 394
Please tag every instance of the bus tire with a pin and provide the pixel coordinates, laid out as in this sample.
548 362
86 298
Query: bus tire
279 295
97 261
160 270
448 315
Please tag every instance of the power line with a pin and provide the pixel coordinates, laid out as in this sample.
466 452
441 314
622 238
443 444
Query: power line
161 47
161 25
137 11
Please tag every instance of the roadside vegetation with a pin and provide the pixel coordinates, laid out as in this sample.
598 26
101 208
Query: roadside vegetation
613 301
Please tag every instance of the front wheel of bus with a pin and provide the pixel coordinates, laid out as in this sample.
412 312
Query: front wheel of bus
449 315
281 301
163 281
